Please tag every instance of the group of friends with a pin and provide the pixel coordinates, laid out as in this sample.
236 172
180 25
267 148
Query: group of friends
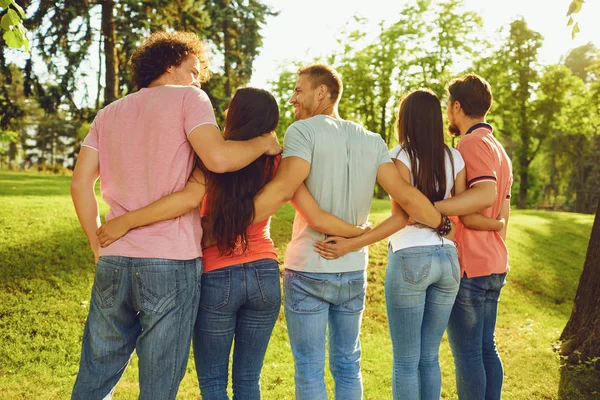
185 255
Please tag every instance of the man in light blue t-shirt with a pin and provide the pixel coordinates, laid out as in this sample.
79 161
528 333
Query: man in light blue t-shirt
339 161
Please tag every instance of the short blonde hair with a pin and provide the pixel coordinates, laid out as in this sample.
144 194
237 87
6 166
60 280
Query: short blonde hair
321 74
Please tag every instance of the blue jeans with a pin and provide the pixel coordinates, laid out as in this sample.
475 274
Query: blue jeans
420 288
313 301
240 302
479 372
144 304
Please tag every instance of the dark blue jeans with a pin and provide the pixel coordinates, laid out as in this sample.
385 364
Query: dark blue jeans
238 304
144 304
479 372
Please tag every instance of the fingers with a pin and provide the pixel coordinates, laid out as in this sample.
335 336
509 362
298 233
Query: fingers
326 254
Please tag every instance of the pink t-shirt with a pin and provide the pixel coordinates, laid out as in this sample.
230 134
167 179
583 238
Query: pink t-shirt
144 155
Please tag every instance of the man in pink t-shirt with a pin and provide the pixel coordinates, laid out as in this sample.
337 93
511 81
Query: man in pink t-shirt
483 254
146 286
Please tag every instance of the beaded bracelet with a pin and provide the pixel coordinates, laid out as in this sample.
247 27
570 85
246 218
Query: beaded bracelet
445 226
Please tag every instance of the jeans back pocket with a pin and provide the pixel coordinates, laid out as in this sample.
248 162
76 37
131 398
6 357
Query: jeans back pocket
159 291
268 281
215 289
416 266
105 284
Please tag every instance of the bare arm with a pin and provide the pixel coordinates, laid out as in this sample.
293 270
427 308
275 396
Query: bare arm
291 173
168 207
408 197
85 175
335 247
477 198
220 155
475 220
505 214
321 220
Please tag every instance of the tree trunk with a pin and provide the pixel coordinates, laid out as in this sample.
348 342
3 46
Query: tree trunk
226 58
523 186
111 61
581 336
99 72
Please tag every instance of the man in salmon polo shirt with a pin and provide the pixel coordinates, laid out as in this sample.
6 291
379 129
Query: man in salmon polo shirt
483 254
146 287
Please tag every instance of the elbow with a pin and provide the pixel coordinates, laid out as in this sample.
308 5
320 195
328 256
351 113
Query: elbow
217 164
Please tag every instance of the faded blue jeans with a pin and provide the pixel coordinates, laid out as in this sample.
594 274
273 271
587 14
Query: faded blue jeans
313 302
420 288
144 304
479 371
239 304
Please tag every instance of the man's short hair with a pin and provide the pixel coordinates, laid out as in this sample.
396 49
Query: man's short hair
473 93
321 74
163 50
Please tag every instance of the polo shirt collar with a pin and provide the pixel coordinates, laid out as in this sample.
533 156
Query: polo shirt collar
480 125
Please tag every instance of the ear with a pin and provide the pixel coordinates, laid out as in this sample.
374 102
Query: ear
456 106
322 92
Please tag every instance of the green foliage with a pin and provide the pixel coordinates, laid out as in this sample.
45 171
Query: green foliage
15 33
48 274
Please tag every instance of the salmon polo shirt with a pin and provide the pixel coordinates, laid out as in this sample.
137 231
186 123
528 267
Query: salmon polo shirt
144 155
483 253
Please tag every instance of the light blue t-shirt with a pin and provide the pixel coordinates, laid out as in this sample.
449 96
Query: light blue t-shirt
344 159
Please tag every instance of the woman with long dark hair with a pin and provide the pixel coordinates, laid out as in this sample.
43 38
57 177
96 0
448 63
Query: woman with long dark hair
240 289
423 272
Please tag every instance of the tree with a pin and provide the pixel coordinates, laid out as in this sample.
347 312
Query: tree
581 58
15 33
513 73
581 336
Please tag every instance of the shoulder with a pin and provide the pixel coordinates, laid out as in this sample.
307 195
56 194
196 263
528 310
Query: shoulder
398 152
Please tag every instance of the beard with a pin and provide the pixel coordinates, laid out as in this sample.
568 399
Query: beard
453 129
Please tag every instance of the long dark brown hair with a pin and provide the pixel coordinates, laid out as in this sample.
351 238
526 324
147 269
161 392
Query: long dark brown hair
421 135
251 113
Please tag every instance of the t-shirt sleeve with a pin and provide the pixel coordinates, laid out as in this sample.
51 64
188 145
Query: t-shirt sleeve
459 163
197 110
298 142
384 153
91 140
400 154
478 158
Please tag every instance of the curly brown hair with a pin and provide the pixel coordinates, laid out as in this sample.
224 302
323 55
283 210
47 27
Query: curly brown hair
163 50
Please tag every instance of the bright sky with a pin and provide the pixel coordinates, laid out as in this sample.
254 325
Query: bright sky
308 28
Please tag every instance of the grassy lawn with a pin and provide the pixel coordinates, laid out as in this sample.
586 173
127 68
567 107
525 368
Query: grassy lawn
47 273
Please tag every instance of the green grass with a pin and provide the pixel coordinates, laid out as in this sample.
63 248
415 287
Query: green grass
46 274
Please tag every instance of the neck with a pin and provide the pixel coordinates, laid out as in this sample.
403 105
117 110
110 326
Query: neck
327 109
467 123
161 81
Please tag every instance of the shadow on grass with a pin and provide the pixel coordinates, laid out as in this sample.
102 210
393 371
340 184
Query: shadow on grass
579 383
60 258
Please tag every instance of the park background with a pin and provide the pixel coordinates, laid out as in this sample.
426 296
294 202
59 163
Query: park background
546 113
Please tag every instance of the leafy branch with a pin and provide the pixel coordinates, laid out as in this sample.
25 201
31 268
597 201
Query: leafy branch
15 34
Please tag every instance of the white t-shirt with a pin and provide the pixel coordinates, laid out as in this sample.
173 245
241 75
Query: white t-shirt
412 236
